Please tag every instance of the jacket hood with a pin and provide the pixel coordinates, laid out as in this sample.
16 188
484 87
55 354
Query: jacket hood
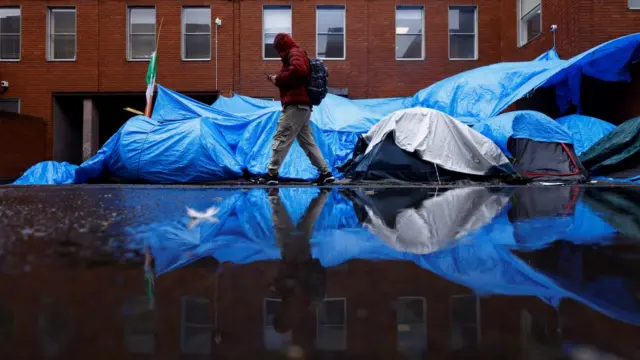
283 43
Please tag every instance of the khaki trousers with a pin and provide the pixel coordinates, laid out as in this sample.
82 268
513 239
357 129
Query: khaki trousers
294 124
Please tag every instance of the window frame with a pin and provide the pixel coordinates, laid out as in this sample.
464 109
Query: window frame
344 32
395 30
129 33
343 326
49 42
476 54
633 7
520 20
424 319
478 323
184 324
274 7
183 32
19 7
12 99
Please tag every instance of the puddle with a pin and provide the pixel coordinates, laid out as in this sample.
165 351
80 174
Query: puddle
388 273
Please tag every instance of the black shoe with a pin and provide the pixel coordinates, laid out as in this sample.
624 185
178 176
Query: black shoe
326 178
268 179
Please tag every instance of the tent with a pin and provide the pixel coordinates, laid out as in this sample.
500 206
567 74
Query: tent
617 155
585 130
422 144
541 148
442 218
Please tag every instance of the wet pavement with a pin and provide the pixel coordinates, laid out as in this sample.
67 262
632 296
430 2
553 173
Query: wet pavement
129 272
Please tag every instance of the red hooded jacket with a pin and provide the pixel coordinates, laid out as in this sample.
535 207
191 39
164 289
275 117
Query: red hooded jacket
294 75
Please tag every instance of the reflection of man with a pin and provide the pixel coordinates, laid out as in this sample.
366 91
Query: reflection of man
149 277
301 278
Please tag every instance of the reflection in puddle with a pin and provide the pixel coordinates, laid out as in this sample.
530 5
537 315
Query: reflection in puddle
371 273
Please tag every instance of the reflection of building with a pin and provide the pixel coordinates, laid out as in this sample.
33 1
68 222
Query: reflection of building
373 310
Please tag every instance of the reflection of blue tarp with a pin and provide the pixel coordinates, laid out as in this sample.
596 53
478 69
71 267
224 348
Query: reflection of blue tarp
244 234
240 128
585 130
523 124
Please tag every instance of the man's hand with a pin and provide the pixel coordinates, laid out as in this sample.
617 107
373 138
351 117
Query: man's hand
272 78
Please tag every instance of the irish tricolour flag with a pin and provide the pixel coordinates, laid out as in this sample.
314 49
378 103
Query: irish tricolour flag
151 83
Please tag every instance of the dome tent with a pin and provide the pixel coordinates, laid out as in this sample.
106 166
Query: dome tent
422 144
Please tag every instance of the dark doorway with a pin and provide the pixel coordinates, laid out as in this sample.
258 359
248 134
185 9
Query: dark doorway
67 129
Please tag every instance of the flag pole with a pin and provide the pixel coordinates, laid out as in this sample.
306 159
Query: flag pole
151 87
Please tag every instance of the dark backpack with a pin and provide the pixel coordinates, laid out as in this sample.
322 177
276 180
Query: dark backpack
318 87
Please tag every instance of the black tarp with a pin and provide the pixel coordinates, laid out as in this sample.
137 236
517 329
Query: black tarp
546 161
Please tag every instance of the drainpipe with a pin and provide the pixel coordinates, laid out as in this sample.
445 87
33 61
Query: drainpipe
218 23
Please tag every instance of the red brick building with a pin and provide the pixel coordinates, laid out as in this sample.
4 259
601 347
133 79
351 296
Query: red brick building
76 65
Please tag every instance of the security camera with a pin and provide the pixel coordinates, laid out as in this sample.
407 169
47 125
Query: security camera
218 22
4 84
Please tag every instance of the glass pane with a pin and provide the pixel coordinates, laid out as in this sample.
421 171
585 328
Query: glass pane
10 105
534 26
408 46
197 311
331 338
462 19
143 20
527 5
634 4
142 46
409 21
10 21
412 338
331 312
269 51
331 21
410 311
463 310
63 47
464 337
277 21
462 46
196 340
197 46
197 20
331 46
9 47
63 21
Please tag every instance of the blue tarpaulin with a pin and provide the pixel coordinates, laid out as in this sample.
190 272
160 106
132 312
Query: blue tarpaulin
523 124
176 144
585 130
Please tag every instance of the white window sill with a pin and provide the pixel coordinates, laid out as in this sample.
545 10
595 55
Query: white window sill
196 60
138 60
61 60
10 60
530 41
332 59
270 59
410 59
464 59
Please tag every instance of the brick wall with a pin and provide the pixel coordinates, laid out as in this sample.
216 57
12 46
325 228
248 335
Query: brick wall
370 69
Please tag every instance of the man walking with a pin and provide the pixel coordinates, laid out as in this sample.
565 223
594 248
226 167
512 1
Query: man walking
294 124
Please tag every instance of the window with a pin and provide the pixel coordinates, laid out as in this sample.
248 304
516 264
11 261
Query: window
9 33
196 33
141 30
634 4
463 37
62 34
139 329
330 30
411 314
530 20
332 325
196 329
272 339
10 105
465 321
409 33
275 19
